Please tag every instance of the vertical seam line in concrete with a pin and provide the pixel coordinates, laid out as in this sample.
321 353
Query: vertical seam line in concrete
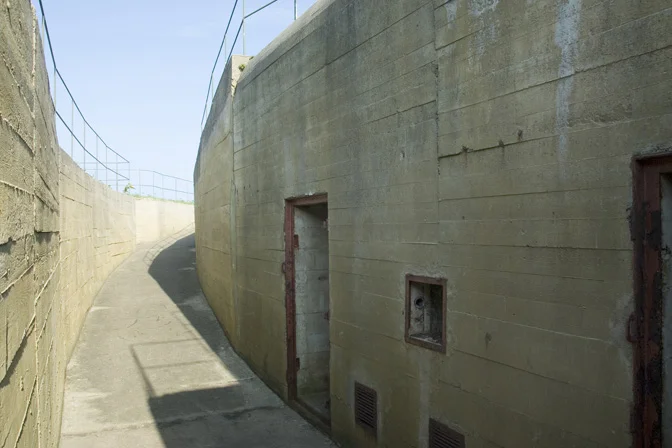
35 172
6 372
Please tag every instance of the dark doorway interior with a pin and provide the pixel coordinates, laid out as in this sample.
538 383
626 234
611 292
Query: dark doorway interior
307 270
666 256
651 327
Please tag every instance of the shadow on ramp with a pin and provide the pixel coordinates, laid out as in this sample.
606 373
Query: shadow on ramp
173 266
202 394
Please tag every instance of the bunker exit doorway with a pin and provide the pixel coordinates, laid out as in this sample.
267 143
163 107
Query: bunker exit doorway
307 304
650 328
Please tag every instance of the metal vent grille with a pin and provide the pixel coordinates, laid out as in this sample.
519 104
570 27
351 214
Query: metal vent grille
366 407
441 436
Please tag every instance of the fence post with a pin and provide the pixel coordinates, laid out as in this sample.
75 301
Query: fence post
97 158
72 129
55 83
84 141
244 52
296 11
212 93
116 169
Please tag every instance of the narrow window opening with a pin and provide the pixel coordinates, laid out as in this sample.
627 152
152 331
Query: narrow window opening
426 312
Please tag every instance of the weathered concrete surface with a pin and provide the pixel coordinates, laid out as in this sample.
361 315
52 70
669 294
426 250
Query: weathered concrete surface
32 356
97 234
153 368
61 234
213 218
157 219
487 142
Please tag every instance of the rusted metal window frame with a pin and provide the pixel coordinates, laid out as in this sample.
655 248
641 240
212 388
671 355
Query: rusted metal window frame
644 327
441 347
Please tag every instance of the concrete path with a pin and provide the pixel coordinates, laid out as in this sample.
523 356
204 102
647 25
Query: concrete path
153 369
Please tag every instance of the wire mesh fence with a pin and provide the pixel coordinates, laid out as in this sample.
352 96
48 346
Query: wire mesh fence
86 147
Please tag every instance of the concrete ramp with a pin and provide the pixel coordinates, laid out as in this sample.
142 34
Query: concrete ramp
153 368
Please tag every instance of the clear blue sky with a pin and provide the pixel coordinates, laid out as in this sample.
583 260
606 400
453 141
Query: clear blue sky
139 69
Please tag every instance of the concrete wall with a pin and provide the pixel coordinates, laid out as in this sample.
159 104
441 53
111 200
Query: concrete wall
97 233
486 142
61 234
157 219
32 357
216 225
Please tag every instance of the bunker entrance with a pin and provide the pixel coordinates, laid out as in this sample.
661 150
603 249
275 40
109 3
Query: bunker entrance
650 326
308 304
666 258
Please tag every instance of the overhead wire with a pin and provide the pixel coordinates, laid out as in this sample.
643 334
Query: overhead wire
221 46
72 98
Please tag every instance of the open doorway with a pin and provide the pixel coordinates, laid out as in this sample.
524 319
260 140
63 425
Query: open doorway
651 326
666 255
307 302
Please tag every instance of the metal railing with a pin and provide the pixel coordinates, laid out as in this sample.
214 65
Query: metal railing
97 158
86 147
150 183
223 46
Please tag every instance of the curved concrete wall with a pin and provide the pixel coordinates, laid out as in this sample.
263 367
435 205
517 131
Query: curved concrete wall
157 219
61 234
485 142
97 233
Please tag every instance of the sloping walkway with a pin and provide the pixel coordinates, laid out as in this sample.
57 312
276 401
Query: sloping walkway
153 369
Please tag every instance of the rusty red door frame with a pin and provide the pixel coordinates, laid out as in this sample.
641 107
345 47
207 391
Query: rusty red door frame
645 330
290 285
